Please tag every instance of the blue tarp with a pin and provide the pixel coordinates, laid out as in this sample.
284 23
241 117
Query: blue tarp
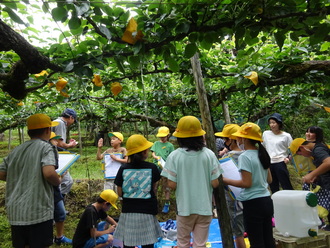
214 239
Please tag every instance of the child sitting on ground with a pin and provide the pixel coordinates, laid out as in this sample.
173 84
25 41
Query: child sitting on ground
160 150
89 232
116 140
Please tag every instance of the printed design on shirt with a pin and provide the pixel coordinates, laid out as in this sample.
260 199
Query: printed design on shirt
137 183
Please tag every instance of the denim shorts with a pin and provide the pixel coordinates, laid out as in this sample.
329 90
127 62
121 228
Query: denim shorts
59 212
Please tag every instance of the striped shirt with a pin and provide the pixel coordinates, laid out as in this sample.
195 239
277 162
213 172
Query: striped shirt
29 197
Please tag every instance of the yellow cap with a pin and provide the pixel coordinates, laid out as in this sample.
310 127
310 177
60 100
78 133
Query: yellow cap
39 121
295 144
188 126
249 131
117 134
163 132
110 196
227 131
137 143
54 136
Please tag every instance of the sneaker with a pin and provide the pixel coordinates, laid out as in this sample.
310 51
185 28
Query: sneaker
326 227
166 208
62 240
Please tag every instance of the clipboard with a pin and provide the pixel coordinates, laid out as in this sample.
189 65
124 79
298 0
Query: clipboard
111 167
230 170
65 160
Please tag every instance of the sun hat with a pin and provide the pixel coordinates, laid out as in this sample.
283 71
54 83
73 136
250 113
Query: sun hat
227 131
70 112
54 136
116 134
163 132
137 143
295 144
189 126
110 196
249 131
39 121
277 117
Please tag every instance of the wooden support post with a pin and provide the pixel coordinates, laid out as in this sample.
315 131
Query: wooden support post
219 194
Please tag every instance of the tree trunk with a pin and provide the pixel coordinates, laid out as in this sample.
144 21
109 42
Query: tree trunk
225 110
9 139
219 193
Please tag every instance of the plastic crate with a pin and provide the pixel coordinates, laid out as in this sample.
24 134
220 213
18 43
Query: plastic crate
322 240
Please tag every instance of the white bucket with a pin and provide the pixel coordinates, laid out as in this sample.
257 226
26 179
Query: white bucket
295 213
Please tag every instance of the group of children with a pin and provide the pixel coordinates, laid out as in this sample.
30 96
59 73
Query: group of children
136 184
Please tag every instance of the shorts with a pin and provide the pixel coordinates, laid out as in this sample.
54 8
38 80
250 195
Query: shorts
99 240
110 184
59 212
36 235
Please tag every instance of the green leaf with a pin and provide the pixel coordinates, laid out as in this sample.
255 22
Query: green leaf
10 4
13 15
325 46
69 67
321 32
182 28
120 65
193 37
59 14
74 22
190 50
82 8
280 38
139 85
105 31
173 65
134 61
45 7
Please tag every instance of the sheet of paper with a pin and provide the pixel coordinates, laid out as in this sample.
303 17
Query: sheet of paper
111 166
162 163
231 171
65 160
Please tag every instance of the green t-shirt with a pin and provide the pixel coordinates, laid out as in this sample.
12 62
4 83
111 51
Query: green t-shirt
193 171
162 149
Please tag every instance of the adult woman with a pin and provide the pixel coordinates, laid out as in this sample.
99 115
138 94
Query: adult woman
276 143
258 207
315 136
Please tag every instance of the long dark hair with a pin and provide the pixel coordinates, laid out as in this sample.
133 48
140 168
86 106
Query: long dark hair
319 138
262 154
192 143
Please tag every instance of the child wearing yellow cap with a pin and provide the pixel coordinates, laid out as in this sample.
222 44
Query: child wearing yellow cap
160 150
136 181
116 140
192 171
254 165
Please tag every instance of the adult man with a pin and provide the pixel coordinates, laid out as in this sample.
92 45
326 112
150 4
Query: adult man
68 117
29 171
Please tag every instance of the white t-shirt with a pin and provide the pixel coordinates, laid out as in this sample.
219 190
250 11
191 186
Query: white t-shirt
276 145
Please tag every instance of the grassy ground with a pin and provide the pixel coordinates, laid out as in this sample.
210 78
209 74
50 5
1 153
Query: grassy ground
88 184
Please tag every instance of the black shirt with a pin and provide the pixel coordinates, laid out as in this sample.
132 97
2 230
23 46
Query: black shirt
136 181
320 153
88 220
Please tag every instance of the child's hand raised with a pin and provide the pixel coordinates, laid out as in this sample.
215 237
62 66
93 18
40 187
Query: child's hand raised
100 143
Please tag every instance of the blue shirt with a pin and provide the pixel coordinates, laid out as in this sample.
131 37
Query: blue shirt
249 161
